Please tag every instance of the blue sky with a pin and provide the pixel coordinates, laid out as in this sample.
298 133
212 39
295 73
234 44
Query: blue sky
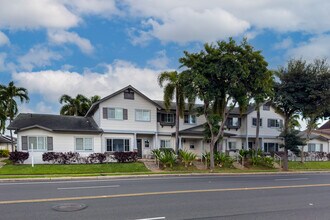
52 47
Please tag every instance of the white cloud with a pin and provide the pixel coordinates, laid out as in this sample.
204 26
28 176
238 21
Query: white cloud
3 39
20 14
63 37
105 8
284 44
316 47
52 84
189 20
161 61
3 57
205 25
38 56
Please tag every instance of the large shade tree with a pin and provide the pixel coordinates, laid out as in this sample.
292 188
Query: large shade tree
173 89
301 88
78 105
221 77
9 96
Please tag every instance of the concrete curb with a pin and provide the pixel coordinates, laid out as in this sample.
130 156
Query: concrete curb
153 175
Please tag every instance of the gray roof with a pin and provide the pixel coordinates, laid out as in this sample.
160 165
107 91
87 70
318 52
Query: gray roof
59 123
325 126
95 105
195 131
303 135
5 139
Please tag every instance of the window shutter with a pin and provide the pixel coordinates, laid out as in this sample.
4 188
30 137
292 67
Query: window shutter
158 117
125 114
269 123
50 143
24 143
105 113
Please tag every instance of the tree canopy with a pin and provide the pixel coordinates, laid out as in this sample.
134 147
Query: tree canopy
77 106
222 76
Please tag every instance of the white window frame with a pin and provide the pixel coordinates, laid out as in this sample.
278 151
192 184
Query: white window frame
167 143
117 117
146 142
118 138
169 116
277 122
37 147
233 144
190 119
84 146
143 111
260 122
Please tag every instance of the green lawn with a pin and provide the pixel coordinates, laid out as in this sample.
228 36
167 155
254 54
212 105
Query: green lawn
314 165
50 169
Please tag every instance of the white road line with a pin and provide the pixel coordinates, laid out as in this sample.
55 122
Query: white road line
292 179
155 218
89 187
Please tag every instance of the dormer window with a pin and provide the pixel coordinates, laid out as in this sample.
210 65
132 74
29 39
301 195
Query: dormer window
266 107
129 94
233 122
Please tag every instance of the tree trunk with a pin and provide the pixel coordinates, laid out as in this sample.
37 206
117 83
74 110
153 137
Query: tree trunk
11 137
285 159
257 129
177 124
212 154
309 131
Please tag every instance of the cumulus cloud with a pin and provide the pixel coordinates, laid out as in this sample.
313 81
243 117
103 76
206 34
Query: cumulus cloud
3 39
316 47
284 44
161 60
38 56
18 14
177 21
52 84
63 37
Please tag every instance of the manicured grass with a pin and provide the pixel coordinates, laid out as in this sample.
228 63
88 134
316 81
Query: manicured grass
313 165
50 169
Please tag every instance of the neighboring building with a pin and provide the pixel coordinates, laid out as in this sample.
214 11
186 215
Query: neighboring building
319 139
5 142
127 120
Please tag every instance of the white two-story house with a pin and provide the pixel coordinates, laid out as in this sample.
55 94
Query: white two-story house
128 120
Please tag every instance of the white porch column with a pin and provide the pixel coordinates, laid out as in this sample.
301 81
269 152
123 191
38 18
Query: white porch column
180 142
134 142
156 141
262 144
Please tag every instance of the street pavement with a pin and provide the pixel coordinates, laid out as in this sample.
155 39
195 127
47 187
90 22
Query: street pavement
275 196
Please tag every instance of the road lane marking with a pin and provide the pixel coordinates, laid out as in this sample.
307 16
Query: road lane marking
159 193
291 179
88 187
155 218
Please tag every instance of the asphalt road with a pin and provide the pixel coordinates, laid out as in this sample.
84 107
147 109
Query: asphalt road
294 196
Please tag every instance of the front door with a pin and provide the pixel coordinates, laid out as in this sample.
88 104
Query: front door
139 147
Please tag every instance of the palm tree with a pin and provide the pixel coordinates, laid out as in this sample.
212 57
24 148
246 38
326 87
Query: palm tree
173 87
77 106
3 116
8 95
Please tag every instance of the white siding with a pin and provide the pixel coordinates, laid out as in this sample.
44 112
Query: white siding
62 142
131 124
97 117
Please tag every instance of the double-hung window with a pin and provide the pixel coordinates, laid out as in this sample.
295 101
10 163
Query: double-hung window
38 143
116 113
165 143
142 115
232 145
168 118
84 144
254 122
275 123
190 119
233 122
118 145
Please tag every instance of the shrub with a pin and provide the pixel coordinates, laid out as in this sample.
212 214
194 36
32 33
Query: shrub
163 149
4 153
62 158
187 157
97 158
267 162
123 157
206 158
18 156
167 158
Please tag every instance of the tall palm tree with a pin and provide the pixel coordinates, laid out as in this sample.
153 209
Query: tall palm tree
3 116
77 106
173 87
9 95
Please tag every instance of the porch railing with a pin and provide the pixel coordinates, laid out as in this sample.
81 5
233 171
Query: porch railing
278 158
